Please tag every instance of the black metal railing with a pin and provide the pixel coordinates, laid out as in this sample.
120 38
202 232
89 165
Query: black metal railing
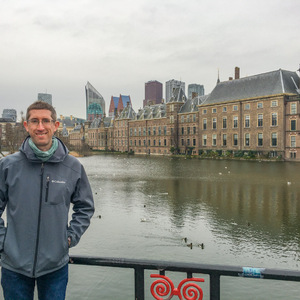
214 271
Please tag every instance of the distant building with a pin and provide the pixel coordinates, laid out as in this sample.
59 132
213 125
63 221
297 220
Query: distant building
117 104
153 93
9 114
95 104
195 90
45 98
171 85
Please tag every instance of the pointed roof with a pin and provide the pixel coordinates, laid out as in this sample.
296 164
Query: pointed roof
266 84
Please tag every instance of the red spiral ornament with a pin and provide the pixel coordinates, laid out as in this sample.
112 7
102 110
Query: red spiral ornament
187 288
161 287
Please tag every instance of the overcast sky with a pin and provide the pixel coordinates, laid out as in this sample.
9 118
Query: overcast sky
56 46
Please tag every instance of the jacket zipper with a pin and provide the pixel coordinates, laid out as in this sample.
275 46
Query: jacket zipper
47 188
39 222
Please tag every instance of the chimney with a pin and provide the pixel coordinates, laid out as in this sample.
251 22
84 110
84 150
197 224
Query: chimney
237 73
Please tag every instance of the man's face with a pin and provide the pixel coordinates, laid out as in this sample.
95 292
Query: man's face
41 128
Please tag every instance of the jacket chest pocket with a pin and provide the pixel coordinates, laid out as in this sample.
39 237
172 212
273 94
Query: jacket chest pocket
56 190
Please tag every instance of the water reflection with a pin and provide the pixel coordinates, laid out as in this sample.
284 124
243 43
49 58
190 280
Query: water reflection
245 213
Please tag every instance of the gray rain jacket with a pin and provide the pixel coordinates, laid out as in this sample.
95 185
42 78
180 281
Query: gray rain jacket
37 198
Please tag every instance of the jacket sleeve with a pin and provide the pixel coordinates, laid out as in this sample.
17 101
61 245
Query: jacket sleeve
83 209
3 201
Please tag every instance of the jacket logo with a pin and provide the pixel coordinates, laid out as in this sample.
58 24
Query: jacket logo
57 181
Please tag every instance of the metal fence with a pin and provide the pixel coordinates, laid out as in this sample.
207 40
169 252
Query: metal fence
214 271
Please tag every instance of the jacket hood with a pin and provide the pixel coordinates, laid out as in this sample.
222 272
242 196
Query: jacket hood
58 156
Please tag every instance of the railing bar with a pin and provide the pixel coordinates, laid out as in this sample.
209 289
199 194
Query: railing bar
275 274
139 283
214 286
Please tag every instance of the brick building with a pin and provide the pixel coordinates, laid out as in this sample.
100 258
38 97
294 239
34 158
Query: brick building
257 114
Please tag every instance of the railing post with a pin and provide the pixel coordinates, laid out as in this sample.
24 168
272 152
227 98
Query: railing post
139 288
214 286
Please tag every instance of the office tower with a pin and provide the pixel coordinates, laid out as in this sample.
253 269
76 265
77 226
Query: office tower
9 114
95 104
195 90
45 97
172 85
153 93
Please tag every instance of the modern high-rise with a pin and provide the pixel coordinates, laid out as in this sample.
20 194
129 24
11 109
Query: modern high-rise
153 93
45 97
95 104
195 90
171 85
9 114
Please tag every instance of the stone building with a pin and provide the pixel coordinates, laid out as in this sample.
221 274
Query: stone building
256 114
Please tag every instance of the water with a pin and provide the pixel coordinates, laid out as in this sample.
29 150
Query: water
245 213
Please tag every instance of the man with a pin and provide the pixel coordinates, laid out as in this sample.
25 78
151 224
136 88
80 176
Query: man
37 186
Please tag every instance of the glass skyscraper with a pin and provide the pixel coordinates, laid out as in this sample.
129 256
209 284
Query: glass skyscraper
95 104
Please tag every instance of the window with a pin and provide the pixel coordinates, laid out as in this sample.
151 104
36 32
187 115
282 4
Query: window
188 118
293 108
159 130
235 139
188 130
165 142
172 107
235 121
214 124
144 131
214 140
260 139
224 123
260 120
293 124
188 142
247 121
204 111
140 131
224 139
204 124
130 131
274 103
149 131
154 130
165 130
274 119
204 140
194 117
274 139
247 139
154 142
182 130
247 106
259 105
224 109
194 130
171 119
235 108
214 110
182 142
293 141
134 131
182 119
194 142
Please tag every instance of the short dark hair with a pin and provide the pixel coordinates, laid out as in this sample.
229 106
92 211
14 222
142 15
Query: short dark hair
41 105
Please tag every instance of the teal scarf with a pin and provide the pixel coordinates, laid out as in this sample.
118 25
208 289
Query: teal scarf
43 155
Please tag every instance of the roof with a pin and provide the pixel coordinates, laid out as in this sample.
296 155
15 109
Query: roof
191 105
266 84
116 101
178 95
127 113
125 99
152 112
